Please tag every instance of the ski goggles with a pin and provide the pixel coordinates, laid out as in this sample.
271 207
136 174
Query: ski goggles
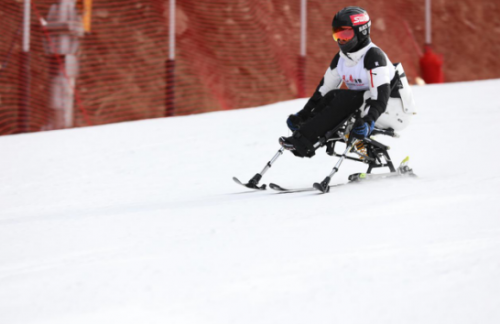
343 33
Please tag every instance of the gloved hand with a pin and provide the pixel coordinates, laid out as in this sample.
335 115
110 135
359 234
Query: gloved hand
293 122
362 128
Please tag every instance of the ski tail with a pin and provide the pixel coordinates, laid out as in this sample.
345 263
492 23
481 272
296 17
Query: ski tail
403 170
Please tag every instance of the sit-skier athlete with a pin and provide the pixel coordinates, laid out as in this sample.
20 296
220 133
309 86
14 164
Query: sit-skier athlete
377 88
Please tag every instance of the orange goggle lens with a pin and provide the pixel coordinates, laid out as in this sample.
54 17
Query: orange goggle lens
343 34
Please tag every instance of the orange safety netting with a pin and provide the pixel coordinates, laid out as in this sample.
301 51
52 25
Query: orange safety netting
229 54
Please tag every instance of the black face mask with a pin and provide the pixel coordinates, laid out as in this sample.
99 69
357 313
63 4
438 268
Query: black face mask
349 46
354 45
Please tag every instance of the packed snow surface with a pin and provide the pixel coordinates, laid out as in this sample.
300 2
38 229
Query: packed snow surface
140 222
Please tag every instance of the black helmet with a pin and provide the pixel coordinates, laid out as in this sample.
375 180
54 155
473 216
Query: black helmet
357 18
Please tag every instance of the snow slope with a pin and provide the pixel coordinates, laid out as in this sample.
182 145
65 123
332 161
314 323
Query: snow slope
140 222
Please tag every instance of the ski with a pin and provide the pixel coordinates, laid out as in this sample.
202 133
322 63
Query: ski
249 185
402 171
283 190
291 190
369 176
353 178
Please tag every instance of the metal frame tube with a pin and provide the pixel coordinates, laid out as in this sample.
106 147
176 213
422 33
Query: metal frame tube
342 158
270 163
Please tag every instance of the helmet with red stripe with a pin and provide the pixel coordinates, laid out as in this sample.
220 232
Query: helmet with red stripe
354 18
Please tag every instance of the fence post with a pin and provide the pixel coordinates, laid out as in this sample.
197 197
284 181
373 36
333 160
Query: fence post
65 28
170 88
170 65
301 63
25 71
428 33
431 63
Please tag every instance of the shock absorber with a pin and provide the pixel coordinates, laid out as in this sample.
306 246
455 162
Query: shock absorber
361 149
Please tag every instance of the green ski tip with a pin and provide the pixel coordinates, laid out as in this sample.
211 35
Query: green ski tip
362 175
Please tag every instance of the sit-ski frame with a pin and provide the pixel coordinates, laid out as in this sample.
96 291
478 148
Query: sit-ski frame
375 151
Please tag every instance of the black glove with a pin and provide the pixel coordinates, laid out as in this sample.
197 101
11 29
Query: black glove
293 122
362 128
